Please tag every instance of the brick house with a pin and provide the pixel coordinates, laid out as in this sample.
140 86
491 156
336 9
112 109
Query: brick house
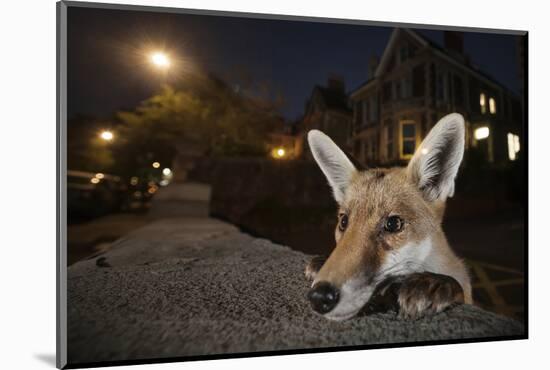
417 82
327 110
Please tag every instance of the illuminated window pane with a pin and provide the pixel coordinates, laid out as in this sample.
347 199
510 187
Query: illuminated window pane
481 133
482 103
513 146
511 151
492 106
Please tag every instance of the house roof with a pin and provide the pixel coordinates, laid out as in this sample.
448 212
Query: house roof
333 98
441 52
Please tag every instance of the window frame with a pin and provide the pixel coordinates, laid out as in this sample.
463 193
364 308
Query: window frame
402 138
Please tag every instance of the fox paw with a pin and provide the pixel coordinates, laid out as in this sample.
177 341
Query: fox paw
426 293
313 267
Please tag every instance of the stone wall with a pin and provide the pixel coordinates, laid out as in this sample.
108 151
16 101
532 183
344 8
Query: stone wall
291 202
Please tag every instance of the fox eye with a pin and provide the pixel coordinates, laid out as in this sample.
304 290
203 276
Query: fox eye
393 224
343 224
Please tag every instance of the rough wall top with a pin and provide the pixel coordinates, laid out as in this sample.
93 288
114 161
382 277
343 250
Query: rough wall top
197 286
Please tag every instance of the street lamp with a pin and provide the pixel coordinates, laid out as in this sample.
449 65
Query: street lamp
106 135
278 153
160 60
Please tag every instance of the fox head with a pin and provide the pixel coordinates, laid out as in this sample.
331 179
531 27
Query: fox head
389 220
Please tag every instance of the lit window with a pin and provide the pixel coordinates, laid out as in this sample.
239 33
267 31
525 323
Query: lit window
482 103
481 133
513 146
408 139
492 106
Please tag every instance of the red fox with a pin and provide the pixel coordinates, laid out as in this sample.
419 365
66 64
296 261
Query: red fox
389 225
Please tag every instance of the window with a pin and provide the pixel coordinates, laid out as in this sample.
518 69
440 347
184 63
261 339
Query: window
481 133
365 112
357 148
440 87
408 139
373 111
387 92
405 88
418 80
403 53
513 146
359 116
492 106
391 63
396 89
482 103
389 139
458 90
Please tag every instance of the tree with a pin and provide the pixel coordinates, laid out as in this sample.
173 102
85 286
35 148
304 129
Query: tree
204 114
86 151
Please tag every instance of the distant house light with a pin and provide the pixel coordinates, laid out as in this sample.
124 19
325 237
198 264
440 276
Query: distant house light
481 133
492 106
513 146
482 103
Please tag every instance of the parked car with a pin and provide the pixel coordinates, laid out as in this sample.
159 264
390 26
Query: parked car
93 194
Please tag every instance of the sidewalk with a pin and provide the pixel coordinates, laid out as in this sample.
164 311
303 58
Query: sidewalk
95 237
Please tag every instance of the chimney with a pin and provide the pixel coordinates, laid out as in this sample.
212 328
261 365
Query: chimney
454 41
336 82
373 64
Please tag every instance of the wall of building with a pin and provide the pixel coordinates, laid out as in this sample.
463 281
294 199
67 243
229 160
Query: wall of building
421 89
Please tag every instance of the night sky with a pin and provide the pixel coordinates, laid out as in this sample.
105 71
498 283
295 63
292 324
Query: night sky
108 68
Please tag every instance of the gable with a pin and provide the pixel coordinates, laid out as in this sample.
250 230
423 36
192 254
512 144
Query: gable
402 41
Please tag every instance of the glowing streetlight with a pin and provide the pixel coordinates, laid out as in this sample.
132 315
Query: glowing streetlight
156 165
107 135
160 60
278 153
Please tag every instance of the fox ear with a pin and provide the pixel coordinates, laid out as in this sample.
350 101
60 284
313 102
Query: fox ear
336 166
435 164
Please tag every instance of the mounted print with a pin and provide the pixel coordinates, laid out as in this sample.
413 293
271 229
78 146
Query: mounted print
235 184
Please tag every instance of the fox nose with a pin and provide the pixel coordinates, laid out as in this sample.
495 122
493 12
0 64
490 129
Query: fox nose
323 297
